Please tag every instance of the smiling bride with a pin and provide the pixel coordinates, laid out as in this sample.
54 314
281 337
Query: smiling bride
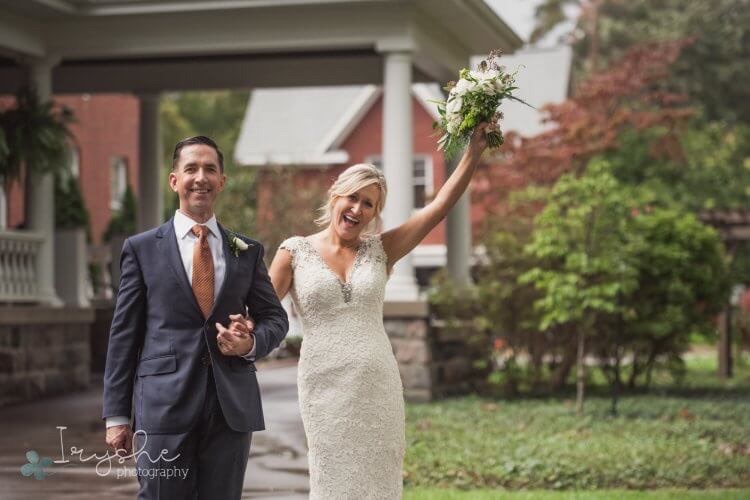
351 397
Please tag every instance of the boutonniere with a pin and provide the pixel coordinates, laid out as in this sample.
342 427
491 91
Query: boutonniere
236 244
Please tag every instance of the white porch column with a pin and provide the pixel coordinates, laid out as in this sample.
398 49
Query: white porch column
150 195
458 235
41 216
397 163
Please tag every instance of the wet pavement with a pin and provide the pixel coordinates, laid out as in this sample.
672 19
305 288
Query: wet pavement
277 468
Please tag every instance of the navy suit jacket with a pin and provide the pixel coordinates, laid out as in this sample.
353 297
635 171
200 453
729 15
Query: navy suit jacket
158 336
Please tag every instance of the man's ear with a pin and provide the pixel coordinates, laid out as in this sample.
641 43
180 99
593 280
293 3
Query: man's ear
173 181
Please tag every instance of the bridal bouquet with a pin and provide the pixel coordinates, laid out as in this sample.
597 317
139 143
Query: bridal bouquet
474 99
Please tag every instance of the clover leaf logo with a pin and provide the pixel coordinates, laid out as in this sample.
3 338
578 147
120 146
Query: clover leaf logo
36 465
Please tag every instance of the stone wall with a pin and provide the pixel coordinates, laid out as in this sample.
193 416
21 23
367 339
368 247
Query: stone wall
407 326
43 351
432 361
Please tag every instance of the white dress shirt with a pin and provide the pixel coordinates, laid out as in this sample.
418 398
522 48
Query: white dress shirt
186 240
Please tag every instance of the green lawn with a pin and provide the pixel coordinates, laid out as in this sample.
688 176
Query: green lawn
434 494
693 436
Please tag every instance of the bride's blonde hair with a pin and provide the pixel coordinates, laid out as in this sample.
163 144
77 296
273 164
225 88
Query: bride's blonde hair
349 182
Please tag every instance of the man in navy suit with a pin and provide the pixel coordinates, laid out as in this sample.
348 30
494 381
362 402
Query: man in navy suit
188 383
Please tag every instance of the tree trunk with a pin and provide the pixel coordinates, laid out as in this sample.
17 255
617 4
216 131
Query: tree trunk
562 370
650 369
537 361
635 371
616 383
580 361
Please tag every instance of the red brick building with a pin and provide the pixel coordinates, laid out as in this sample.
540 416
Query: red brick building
104 156
346 128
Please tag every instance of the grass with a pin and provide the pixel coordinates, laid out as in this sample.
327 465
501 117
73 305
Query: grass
695 435
436 494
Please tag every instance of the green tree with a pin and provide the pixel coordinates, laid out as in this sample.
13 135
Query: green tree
710 170
495 318
582 240
33 134
70 209
682 284
712 70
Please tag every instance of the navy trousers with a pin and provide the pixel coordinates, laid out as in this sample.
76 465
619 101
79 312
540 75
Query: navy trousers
208 462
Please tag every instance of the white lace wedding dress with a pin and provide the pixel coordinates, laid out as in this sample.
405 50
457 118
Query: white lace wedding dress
350 391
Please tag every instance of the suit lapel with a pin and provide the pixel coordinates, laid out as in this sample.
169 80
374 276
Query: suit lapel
167 244
230 267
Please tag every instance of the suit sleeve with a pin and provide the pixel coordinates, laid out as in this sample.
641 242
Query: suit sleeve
271 322
125 336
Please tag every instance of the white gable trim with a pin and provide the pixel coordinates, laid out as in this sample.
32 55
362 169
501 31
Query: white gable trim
291 160
423 94
361 105
327 150
350 118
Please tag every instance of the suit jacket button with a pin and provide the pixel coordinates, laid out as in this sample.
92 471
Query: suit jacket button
206 359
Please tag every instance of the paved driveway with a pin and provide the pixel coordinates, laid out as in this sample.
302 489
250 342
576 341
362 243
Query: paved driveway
277 468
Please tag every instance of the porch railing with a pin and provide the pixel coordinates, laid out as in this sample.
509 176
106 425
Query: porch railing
19 255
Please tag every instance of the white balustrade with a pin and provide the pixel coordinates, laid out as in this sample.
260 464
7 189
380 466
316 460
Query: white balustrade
19 257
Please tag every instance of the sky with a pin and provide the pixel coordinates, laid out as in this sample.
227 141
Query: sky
519 15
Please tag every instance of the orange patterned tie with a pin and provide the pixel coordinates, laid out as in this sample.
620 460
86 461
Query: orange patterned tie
203 270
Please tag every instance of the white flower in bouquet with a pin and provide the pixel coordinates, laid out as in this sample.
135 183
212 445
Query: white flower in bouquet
474 99
486 81
454 104
499 85
463 86
454 122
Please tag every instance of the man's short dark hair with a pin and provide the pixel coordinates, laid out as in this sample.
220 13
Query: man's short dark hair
191 141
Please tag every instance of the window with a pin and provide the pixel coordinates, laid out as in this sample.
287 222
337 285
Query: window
422 181
3 206
423 187
118 181
75 162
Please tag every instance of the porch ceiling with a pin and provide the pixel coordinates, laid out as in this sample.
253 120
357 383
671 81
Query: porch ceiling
149 46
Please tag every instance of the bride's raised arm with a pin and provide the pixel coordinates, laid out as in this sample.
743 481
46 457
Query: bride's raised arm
401 240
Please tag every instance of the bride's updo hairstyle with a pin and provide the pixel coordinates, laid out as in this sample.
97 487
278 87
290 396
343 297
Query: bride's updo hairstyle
349 182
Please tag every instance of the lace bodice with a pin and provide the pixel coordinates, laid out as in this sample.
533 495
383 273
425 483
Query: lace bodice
320 294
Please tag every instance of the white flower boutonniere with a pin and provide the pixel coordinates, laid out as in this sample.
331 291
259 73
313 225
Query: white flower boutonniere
236 244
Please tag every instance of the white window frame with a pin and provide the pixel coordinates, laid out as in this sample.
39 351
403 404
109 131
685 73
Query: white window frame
3 206
121 174
75 162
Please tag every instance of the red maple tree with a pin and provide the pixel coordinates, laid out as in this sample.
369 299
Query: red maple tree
632 94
